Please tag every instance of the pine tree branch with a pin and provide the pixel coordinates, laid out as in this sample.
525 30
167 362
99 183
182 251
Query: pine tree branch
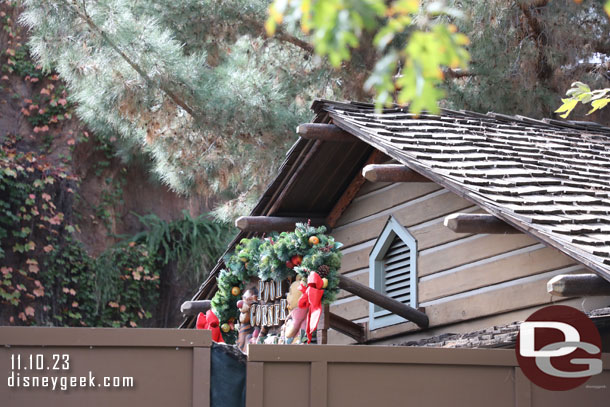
457 73
280 35
84 16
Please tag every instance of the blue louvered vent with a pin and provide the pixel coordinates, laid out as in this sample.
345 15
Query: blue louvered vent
396 274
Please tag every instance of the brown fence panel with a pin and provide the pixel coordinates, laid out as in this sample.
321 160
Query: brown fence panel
85 367
172 368
376 376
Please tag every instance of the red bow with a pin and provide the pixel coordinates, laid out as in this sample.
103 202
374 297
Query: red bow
210 321
312 298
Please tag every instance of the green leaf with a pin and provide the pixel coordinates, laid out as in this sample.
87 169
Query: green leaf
10 172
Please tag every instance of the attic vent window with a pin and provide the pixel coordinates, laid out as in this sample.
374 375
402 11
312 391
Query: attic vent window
392 271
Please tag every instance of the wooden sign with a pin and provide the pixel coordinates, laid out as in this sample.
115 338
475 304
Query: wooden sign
271 309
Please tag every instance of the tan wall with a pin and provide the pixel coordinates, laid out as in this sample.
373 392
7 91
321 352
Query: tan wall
329 376
169 367
461 277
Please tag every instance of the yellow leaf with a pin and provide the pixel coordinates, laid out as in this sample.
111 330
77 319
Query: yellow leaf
455 63
567 107
275 15
270 26
598 104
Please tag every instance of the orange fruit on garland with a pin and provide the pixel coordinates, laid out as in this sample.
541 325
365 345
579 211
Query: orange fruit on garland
296 260
314 240
235 291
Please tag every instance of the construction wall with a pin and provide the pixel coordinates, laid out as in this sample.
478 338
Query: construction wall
120 367
338 376
171 368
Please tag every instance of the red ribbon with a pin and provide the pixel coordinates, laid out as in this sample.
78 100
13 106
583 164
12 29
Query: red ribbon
210 321
312 298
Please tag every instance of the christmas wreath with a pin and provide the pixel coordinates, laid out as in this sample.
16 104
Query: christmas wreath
276 257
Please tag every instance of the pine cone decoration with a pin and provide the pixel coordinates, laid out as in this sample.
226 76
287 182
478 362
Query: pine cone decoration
323 270
326 249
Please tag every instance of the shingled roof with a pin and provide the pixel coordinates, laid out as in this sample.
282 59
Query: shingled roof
503 336
548 178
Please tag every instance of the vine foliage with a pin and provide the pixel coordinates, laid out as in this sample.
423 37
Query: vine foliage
48 278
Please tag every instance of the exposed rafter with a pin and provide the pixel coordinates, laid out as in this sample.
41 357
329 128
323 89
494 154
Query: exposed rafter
285 190
391 173
195 307
351 191
324 132
578 285
478 223
273 223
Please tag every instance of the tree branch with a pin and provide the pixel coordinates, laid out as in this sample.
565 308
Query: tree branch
280 35
457 73
178 101
544 69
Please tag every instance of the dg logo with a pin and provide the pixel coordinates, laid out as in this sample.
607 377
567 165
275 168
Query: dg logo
559 348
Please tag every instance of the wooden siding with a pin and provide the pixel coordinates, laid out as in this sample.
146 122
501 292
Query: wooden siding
422 208
460 276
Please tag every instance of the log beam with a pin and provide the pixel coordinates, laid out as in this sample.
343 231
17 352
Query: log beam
273 223
324 132
385 302
284 190
347 327
193 308
351 191
578 285
392 173
478 223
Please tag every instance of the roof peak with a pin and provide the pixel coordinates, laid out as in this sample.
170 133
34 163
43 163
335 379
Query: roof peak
320 105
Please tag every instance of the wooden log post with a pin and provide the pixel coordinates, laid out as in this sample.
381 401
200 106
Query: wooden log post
273 223
392 173
324 132
193 308
385 302
478 223
578 285
323 325
347 327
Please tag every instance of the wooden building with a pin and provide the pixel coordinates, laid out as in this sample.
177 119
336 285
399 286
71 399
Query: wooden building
474 220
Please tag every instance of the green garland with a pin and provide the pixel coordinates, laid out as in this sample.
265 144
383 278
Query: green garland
276 257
